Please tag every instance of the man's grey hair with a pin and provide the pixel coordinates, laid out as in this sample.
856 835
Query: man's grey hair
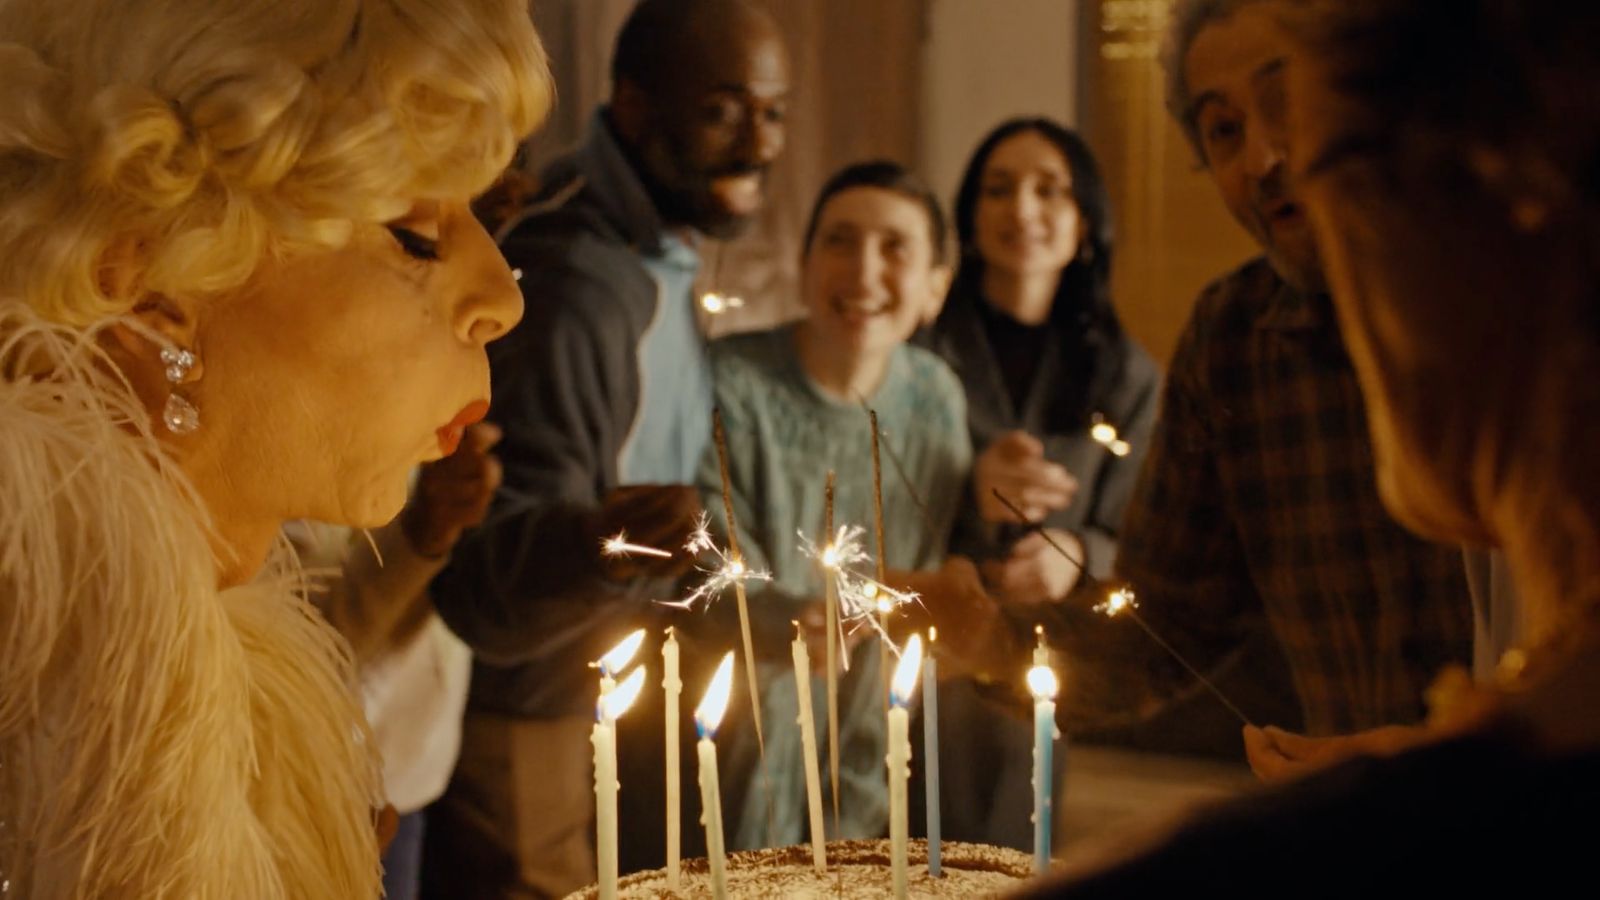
1189 18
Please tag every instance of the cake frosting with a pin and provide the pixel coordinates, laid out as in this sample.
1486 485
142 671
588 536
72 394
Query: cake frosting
855 869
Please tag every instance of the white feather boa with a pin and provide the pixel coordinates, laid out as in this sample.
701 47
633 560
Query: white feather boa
158 737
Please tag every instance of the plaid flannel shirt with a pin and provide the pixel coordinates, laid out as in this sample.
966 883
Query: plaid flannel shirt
1258 498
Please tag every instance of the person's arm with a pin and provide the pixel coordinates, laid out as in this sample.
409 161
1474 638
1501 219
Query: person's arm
379 595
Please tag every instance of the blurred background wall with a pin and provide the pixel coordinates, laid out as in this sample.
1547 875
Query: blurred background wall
921 81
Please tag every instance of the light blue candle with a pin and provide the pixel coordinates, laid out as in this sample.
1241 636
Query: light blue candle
930 752
1042 682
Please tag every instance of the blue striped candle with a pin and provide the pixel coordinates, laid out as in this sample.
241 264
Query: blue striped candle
1042 682
930 751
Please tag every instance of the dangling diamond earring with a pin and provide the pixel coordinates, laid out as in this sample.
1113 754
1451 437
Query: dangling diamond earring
179 415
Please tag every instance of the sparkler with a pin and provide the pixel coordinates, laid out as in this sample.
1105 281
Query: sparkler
618 545
835 641
883 554
716 304
1105 434
736 566
1122 601
727 571
900 469
864 602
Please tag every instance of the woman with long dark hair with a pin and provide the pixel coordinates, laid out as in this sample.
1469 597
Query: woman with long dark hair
1030 330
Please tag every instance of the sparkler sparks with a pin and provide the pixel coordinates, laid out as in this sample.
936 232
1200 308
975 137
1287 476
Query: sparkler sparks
618 545
861 598
716 304
1105 434
727 571
1117 601
700 540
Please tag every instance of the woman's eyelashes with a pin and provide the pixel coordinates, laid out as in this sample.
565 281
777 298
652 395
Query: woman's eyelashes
415 245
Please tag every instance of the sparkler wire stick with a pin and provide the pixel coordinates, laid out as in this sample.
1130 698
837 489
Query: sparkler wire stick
720 436
900 470
1130 609
883 575
831 592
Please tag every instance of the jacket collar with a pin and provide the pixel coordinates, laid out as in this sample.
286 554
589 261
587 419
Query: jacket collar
615 186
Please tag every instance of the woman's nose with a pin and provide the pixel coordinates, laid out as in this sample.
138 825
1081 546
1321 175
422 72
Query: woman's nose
490 303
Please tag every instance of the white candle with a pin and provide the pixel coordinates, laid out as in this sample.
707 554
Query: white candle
672 687
808 742
930 752
899 759
604 737
707 716
1042 682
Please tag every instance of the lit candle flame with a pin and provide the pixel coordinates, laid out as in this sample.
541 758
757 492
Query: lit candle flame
621 654
618 545
716 304
708 715
905 673
933 634
1042 682
614 703
1117 601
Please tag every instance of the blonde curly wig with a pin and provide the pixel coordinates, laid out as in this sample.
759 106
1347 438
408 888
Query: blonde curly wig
213 133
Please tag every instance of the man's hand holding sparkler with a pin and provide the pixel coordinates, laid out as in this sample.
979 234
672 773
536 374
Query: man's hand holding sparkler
650 515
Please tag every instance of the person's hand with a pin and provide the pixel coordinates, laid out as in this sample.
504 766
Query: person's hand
386 822
654 515
1036 572
1278 755
1014 465
972 631
453 493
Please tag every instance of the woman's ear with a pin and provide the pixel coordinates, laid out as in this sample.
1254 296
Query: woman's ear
120 277
938 289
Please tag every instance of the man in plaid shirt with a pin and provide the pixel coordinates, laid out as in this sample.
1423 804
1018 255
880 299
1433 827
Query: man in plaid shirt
1258 497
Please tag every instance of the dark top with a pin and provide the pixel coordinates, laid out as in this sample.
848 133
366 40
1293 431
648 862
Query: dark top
1066 379
1481 816
524 589
1259 498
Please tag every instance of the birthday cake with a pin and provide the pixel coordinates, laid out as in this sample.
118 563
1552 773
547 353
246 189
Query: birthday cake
855 869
